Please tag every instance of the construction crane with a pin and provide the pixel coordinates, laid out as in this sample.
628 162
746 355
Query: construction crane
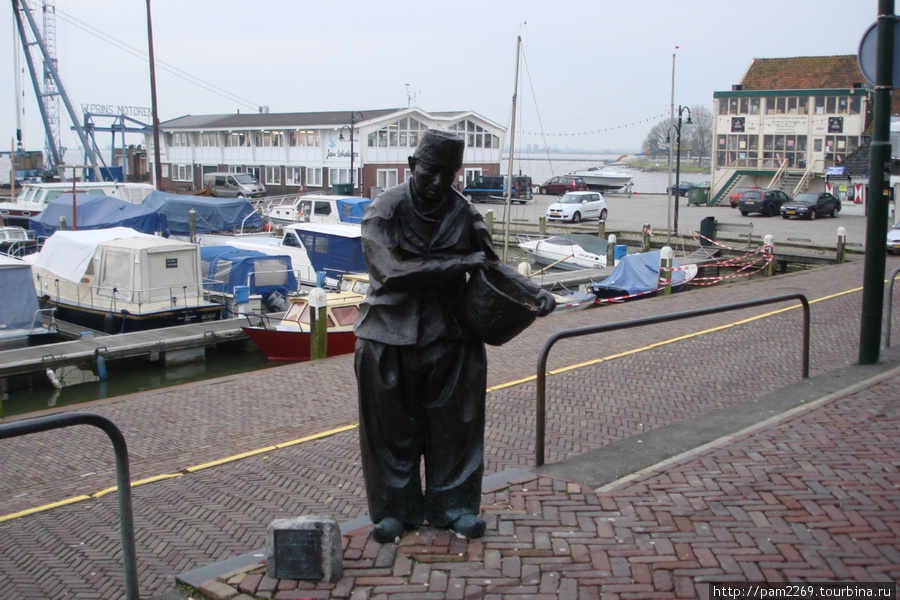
52 90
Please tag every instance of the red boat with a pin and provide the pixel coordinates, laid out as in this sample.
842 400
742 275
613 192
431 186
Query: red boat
290 338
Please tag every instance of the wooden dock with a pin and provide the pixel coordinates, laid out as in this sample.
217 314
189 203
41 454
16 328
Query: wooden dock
170 344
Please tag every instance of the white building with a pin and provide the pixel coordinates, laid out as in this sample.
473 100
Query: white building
298 152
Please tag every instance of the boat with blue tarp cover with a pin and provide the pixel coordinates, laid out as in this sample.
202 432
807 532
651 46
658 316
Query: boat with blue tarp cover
637 276
96 212
212 214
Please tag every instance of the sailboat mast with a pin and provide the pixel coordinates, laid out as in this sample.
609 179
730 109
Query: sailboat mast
512 146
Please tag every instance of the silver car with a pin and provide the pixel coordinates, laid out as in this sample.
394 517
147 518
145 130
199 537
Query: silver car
575 206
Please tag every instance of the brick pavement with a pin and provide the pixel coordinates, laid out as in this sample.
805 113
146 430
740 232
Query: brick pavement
199 518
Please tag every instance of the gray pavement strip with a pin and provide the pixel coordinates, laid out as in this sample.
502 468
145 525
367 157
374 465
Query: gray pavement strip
614 461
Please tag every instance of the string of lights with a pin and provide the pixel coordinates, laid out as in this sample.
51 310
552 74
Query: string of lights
652 119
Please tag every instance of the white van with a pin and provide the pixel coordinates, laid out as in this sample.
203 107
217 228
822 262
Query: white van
234 185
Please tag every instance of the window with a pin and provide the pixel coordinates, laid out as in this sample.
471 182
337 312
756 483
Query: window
338 176
304 138
314 176
476 135
403 133
838 147
209 140
181 140
386 178
182 173
273 175
269 139
293 176
778 149
237 139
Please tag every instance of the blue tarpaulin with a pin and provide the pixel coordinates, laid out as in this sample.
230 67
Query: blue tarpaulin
225 267
635 274
351 210
20 303
213 214
96 212
333 249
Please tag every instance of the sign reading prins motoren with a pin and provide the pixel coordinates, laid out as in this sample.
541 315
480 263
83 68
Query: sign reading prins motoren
116 110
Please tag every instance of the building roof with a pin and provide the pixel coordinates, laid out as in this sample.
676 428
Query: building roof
803 73
265 120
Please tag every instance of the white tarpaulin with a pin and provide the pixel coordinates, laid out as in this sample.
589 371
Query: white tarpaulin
68 253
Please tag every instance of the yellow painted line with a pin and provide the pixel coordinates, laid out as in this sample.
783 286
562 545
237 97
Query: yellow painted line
135 484
229 459
318 436
335 431
31 511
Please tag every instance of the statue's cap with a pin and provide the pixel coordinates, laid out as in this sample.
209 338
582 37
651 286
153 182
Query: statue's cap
440 148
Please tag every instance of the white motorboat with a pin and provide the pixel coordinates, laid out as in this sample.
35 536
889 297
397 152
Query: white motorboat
117 280
568 252
603 178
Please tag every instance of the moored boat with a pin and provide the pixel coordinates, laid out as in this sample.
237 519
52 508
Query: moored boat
568 252
35 196
118 280
290 338
603 178
21 321
637 276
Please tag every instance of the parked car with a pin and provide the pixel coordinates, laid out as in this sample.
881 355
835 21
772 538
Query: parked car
576 206
486 188
735 196
767 202
683 187
893 239
558 186
811 205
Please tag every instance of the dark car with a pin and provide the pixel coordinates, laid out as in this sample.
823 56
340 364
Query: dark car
683 187
557 186
767 202
735 196
810 205
487 188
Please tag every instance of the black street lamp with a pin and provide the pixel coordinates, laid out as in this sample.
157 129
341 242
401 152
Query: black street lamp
677 127
354 116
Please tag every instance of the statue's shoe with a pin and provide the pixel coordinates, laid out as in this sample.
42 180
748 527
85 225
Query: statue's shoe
387 530
469 526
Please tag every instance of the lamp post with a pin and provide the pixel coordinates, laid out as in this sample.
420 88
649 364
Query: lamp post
354 116
677 127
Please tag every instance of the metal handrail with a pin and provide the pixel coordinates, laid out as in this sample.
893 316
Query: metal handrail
806 175
890 303
123 477
541 382
778 173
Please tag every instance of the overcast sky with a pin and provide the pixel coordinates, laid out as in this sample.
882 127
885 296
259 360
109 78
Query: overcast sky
594 74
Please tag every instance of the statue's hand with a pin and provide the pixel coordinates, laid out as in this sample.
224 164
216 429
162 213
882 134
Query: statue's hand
476 260
546 303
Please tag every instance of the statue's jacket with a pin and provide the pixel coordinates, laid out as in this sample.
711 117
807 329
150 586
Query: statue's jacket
416 268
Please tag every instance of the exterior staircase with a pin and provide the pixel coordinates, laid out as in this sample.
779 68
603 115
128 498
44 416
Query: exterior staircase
791 179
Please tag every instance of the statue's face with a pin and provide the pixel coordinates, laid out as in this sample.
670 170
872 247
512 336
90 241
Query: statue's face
432 181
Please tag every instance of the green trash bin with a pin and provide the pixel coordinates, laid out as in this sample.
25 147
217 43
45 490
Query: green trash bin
342 189
698 194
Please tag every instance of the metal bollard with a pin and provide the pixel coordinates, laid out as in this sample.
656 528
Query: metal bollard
318 324
841 244
192 225
666 260
769 249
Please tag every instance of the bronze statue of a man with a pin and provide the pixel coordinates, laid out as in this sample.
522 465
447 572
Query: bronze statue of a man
420 369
